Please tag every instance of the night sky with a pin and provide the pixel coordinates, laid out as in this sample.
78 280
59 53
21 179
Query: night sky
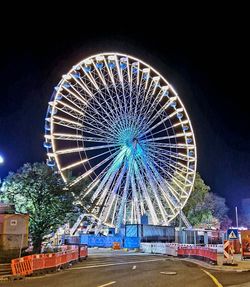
207 63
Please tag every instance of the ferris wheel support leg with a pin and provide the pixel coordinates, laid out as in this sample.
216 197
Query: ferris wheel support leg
185 220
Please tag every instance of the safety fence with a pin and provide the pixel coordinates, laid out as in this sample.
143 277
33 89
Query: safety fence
42 263
181 250
162 248
201 253
218 247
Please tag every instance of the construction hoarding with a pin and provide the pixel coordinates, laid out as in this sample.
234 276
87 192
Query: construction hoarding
245 241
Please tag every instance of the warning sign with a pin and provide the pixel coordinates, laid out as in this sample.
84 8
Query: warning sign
232 234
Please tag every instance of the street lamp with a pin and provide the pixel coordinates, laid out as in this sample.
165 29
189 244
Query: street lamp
1 159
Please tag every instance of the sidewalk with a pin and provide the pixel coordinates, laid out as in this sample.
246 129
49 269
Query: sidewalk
243 265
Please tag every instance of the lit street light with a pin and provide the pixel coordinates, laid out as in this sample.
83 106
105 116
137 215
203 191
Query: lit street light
1 159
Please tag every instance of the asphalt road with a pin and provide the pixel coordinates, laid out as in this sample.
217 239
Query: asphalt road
131 269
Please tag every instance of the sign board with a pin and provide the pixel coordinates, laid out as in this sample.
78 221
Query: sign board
245 241
232 234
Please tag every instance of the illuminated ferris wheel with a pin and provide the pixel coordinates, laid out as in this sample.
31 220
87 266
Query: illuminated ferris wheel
116 120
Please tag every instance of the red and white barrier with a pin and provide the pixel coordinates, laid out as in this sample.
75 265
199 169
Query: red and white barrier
51 261
181 250
202 253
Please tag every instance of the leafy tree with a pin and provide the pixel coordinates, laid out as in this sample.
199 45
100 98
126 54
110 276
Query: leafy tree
35 189
198 194
205 208
193 209
81 202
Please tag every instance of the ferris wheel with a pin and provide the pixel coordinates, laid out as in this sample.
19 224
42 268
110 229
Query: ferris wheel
115 120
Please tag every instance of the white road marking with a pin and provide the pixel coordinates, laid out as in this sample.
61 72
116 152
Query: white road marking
107 284
169 273
114 264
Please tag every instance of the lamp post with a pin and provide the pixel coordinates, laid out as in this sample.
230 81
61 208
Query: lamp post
236 216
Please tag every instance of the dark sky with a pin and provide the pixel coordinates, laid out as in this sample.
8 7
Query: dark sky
207 63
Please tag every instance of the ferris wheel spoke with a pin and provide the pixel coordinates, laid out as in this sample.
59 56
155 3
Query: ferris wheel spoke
68 108
83 86
106 86
112 78
135 197
163 183
71 111
98 133
103 195
165 160
150 120
170 164
120 79
87 173
99 89
95 140
79 149
135 81
67 125
145 194
75 164
124 199
72 124
75 125
179 173
130 84
114 210
146 103
117 162
94 183
163 121
142 91
166 129
73 92
150 110
169 145
171 197
64 136
159 148
173 180
79 97
171 137
154 189
113 192
116 80
66 122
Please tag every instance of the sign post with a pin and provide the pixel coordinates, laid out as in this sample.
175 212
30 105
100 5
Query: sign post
229 253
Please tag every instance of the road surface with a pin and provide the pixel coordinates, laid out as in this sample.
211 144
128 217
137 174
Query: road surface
121 269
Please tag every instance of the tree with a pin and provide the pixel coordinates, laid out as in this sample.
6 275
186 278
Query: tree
205 208
193 209
35 189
